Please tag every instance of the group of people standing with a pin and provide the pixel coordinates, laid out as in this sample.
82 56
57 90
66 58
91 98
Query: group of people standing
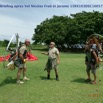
52 63
92 60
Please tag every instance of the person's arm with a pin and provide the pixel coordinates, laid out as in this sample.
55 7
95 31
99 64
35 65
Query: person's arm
97 43
22 58
58 58
15 56
86 59
45 53
96 57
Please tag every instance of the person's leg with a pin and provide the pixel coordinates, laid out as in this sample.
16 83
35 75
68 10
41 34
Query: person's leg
55 66
56 73
94 74
94 81
48 73
18 76
88 73
24 74
19 73
48 68
95 77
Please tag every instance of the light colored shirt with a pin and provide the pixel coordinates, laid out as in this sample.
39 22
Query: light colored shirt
53 52
22 49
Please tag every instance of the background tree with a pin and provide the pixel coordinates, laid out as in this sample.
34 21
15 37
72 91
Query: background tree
64 30
5 42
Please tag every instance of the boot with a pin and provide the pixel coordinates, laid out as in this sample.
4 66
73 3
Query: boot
48 77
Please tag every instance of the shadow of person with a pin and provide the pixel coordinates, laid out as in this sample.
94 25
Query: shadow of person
7 80
43 78
79 80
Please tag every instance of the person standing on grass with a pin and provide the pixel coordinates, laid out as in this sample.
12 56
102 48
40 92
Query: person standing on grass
22 67
91 62
53 60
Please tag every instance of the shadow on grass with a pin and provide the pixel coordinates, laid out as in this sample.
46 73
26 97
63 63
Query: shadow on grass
79 80
45 78
8 80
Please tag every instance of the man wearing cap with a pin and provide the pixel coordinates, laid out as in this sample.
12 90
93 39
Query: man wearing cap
22 67
53 60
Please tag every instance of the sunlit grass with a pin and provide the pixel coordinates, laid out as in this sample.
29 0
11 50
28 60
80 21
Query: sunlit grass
70 89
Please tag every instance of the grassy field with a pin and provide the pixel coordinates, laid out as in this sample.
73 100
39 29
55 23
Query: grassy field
71 87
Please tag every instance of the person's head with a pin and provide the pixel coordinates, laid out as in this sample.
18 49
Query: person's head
27 42
52 45
91 41
95 39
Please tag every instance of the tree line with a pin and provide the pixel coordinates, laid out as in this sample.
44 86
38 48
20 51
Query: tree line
67 31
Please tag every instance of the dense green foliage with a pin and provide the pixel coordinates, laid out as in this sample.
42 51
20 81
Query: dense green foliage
69 30
5 42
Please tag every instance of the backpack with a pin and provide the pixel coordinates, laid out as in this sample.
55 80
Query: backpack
17 60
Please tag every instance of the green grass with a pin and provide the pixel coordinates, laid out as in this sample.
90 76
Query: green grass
70 89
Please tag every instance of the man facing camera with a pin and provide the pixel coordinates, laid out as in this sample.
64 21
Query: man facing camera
53 60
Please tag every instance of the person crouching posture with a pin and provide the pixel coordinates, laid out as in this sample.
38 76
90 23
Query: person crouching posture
91 63
22 66
53 60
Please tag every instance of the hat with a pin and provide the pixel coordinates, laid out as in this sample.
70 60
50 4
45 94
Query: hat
52 43
27 40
